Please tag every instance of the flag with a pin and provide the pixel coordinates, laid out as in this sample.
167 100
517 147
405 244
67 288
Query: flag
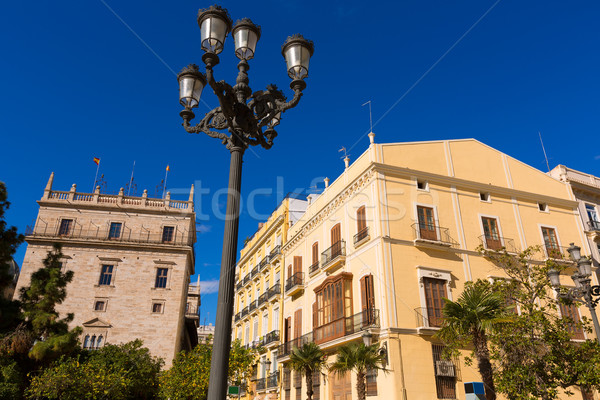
97 160
168 169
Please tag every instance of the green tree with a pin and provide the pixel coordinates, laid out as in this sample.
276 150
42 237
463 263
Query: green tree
533 355
469 320
307 359
120 372
188 378
361 359
10 240
38 301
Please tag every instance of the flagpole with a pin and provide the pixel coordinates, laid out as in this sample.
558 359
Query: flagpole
96 178
131 180
165 185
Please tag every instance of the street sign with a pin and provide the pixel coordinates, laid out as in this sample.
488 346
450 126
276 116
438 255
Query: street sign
234 390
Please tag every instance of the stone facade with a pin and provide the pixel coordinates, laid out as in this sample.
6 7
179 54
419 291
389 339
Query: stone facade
120 248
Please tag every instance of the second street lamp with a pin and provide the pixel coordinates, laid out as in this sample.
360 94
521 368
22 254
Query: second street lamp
583 288
243 118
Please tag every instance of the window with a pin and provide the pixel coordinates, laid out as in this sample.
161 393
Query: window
297 324
161 277
115 230
435 292
427 228
106 273
367 300
86 342
247 337
361 224
287 383
444 373
100 305
316 383
99 342
543 207
255 329
571 313
371 382
315 257
336 241
167 235
265 324
484 197
334 305
551 242
298 384
490 232
422 185
594 220
65 227
157 308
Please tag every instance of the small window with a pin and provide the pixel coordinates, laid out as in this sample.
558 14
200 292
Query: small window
543 207
100 305
422 185
99 342
115 230
86 342
65 227
161 277
106 275
167 235
484 196
157 308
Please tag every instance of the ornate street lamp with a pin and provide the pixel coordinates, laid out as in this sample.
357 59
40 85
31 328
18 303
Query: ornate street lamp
243 118
583 288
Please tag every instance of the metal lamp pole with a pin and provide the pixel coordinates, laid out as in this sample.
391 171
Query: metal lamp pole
243 118
583 288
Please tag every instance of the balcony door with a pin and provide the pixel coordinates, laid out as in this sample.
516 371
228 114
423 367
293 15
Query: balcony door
551 242
367 299
427 229
336 237
490 231
435 292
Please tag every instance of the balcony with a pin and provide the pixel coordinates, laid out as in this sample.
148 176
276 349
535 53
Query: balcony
347 326
275 254
313 268
594 225
294 284
286 348
253 305
262 299
334 257
557 253
192 312
238 316
432 235
245 311
361 237
274 291
429 319
497 243
273 380
247 279
264 262
271 338
239 285
261 384
254 272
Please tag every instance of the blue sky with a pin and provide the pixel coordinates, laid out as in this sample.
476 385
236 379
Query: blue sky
96 78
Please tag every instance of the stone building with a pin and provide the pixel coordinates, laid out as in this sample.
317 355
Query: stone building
132 258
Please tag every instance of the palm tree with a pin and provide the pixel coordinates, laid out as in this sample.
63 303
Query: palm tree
470 319
307 359
359 358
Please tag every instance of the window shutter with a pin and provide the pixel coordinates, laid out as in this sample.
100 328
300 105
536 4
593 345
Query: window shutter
361 220
315 253
289 275
297 264
363 292
335 234
298 324
314 316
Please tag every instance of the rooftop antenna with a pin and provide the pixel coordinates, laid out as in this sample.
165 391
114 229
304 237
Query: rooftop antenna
131 180
544 149
343 149
370 115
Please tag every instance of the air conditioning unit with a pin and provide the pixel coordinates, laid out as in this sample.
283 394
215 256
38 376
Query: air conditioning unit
444 368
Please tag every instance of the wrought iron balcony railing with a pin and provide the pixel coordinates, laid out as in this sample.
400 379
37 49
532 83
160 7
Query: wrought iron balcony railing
239 285
336 250
254 272
286 348
345 326
247 279
271 337
557 252
594 225
274 290
362 235
272 380
429 317
238 316
253 305
275 252
313 268
294 281
263 298
245 311
192 312
498 243
432 233
261 384
264 262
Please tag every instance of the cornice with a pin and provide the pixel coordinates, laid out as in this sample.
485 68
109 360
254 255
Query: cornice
272 227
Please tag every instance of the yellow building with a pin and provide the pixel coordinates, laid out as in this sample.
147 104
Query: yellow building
375 254
258 294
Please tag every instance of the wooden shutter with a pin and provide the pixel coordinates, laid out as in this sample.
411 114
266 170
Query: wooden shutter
361 219
367 298
290 273
336 234
298 324
435 292
297 264
314 316
315 253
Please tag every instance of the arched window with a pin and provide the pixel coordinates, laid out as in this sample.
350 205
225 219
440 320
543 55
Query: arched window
86 342
99 342
93 342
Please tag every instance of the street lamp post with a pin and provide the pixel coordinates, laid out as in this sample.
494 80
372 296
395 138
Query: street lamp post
243 118
583 288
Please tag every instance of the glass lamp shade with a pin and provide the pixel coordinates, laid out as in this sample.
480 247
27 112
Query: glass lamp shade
554 276
297 52
191 83
574 251
367 338
215 24
585 267
245 35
